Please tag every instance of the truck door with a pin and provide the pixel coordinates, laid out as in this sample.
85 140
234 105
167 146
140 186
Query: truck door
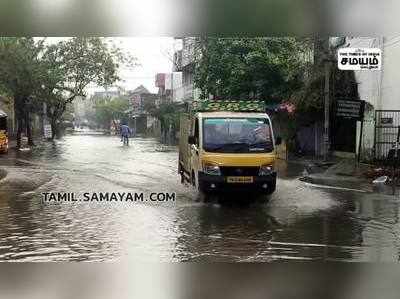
194 150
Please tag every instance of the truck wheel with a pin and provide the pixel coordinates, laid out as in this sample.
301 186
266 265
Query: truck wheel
182 178
204 196
263 198
271 188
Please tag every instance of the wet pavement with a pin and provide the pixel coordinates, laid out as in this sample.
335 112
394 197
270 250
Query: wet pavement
301 221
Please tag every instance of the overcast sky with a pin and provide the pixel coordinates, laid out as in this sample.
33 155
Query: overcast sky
154 55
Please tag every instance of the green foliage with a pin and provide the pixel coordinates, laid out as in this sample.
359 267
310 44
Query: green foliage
167 114
21 70
108 111
250 68
34 72
75 63
309 99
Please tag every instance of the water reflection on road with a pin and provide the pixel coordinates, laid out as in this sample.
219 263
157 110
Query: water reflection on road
300 221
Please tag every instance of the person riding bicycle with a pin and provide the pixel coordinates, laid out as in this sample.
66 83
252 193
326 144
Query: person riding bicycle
125 133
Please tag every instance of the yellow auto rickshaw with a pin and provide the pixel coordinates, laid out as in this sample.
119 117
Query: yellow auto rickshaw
3 132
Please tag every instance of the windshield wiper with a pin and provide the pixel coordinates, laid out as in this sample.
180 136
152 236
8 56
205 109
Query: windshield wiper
264 145
237 146
240 146
260 143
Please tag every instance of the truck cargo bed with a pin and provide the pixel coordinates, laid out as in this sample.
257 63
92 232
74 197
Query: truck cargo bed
184 147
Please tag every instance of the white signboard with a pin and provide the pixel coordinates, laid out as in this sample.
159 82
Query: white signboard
47 131
358 59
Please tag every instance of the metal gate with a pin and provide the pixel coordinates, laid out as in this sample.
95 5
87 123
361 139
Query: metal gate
387 123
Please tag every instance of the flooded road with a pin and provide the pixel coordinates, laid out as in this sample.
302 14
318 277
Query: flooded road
301 221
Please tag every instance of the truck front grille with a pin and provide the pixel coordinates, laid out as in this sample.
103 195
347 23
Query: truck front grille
239 171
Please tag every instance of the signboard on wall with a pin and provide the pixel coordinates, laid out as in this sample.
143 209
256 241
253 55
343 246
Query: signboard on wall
386 121
350 109
47 131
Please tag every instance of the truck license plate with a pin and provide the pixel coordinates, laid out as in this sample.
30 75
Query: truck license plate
240 179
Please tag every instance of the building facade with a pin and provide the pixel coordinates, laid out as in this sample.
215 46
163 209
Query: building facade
170 88
139 119
381 91
184 62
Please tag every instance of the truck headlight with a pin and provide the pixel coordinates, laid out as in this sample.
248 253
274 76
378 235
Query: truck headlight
266 170
211 169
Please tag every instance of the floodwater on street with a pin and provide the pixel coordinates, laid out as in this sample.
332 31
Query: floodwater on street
300 221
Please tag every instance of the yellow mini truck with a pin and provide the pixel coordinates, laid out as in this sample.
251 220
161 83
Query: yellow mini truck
228 146
3 132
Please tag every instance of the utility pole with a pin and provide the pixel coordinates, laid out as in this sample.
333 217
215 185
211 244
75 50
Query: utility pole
327 71
172 86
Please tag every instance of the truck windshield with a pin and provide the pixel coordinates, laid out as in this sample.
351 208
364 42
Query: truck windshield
237 135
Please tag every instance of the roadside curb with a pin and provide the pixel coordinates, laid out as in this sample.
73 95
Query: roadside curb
339 182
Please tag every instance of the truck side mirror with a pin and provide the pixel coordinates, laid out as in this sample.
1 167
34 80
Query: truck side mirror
278 140
191 140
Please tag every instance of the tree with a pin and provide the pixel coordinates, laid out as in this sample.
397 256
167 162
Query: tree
74 64
20 74
268 69
110 111
168 115
34 72
309 99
